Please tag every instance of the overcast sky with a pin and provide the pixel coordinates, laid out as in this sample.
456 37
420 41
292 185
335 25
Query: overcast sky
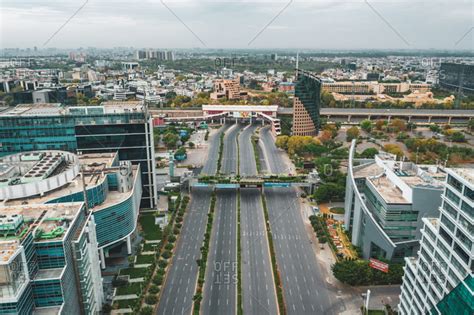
317 24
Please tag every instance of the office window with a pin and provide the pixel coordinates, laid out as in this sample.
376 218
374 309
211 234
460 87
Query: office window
455 183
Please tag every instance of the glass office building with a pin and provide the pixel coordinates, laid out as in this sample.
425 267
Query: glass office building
125 128
440 279
49 260
307 104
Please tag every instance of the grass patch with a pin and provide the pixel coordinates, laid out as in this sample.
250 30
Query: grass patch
150 230
134 272
376 312
337 210
148 247
131 288
145 259
125 303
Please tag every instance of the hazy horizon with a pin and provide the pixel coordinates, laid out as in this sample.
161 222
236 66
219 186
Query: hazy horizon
239 24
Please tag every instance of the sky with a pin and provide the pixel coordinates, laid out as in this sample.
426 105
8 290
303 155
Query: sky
298 24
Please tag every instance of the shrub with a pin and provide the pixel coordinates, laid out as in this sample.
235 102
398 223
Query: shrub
166 254
158 280
146 310
150 299
154 289
163 263
169 246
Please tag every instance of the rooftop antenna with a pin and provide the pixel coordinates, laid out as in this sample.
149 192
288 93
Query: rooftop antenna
297 63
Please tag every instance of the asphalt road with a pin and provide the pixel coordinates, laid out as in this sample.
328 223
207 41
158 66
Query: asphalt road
178 291
273 155
258 286
305 289
247 163
220 287
210 167
229 154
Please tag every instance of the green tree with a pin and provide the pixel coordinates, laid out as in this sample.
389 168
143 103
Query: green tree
282 142
369 153
170 140
352 133
458 137
366 125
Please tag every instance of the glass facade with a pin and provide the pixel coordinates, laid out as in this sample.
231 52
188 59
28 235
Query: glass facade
458 301
88 130
308 91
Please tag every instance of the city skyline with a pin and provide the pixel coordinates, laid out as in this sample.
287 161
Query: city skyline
355 25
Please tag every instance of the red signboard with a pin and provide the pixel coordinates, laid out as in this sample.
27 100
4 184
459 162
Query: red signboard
377 264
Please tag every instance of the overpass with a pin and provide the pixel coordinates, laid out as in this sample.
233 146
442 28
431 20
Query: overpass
235 182
355 115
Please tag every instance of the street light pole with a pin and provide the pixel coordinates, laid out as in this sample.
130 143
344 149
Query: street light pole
367 301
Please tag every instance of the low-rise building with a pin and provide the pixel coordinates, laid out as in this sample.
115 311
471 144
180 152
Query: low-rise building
385 202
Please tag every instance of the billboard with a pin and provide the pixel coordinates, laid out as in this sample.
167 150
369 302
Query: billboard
379 265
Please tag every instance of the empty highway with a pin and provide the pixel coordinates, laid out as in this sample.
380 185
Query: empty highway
220 287
210 168
247 163
230 155
305 290
179 288
258 286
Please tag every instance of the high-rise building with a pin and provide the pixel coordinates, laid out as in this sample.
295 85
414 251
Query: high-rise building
385 202
123 127
440 280
113 189
456 76
48 260
306 104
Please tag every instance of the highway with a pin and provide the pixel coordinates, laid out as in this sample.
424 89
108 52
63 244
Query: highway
247 163
178 290
305 290
220 286
258 286
273 156
229 155
210 168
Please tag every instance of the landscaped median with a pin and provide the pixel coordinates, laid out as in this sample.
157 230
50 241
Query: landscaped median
276 271
139 285
202 262
221 151
240 309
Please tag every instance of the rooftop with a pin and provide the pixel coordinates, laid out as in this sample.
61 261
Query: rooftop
466 173
48 221
394 180
56 109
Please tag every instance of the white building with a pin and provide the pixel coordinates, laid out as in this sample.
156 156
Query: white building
440 280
